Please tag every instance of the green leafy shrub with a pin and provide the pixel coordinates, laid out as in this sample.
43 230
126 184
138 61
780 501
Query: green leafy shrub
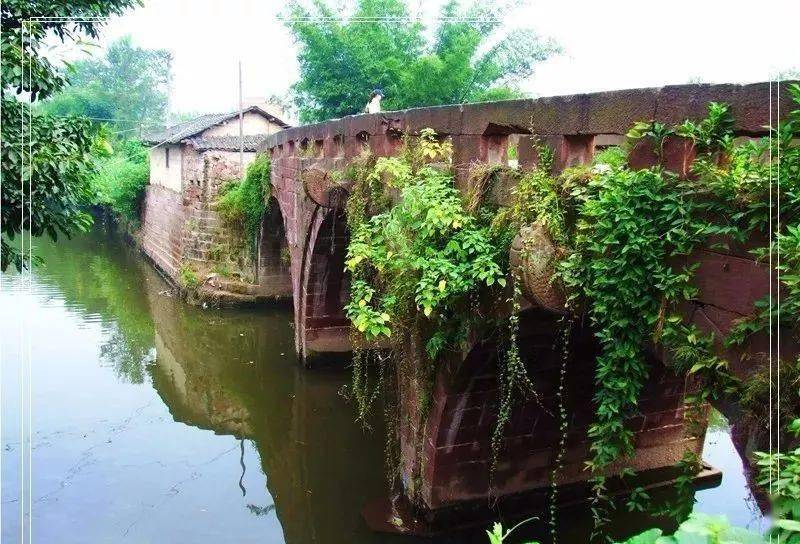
425 254
122 178
188 278
631 223
700 529
419 263
779 473
242 204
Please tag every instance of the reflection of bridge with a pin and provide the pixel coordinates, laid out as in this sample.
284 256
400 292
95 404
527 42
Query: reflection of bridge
452 465
204 374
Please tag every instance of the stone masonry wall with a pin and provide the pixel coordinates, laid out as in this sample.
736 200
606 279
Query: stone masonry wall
183 229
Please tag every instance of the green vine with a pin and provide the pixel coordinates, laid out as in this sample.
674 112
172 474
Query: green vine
426 260
565 326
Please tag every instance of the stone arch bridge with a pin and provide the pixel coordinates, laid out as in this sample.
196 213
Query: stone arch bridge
451 468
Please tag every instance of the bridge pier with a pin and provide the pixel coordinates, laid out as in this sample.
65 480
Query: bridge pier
446 457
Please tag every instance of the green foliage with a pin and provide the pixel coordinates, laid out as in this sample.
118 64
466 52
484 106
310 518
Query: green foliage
54 188
629 225
712 133
700 529
128 86
651 130
537 199
614 157
187 277
756 202
378 45
57 173
498 535
762 417
40 77
426 254
243 204
121 179
779 473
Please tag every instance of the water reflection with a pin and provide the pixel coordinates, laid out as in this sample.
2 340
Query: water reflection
204 429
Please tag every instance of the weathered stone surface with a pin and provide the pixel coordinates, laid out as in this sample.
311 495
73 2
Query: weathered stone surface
534 257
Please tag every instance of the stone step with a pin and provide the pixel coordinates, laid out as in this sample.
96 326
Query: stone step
233 286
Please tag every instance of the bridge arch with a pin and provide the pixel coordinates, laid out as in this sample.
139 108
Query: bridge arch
273 257
326 285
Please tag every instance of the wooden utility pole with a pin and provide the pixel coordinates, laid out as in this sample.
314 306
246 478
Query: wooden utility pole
241 123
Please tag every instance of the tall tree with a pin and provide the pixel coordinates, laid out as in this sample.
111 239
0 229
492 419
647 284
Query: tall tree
468 59
45 160
128 85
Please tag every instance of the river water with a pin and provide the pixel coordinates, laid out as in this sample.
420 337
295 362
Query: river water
153 421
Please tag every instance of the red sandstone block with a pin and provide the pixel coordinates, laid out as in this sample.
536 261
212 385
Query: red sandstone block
527 152
460 453
575 150
678 155
484 382
615 112
509 117
356 124
442 119
642 155
577 452
467 149
728 282
661 403
749 104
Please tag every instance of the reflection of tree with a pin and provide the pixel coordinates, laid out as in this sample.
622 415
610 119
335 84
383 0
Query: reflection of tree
111 286
126 356
129 334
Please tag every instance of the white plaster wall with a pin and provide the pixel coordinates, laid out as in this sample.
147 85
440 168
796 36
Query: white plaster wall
171 177
252 123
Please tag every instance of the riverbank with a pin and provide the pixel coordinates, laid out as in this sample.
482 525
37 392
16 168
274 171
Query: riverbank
204 287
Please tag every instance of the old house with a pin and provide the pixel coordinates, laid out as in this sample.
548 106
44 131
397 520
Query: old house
179 151
181 230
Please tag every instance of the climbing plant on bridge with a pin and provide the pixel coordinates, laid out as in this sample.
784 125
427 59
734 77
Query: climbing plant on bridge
630 226
423 258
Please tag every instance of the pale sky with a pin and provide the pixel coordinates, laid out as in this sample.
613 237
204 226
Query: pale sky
613 44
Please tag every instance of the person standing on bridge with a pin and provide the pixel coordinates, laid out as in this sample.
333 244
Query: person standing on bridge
374 104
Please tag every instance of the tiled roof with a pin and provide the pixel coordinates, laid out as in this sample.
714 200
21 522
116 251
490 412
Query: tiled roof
227 143
182 131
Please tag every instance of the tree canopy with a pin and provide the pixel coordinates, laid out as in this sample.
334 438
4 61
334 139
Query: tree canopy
45 159
468 59
129 86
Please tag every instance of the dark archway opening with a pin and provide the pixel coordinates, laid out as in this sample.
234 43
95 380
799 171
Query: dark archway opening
274 262
327 288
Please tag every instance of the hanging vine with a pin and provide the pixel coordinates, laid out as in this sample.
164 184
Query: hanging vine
425 260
